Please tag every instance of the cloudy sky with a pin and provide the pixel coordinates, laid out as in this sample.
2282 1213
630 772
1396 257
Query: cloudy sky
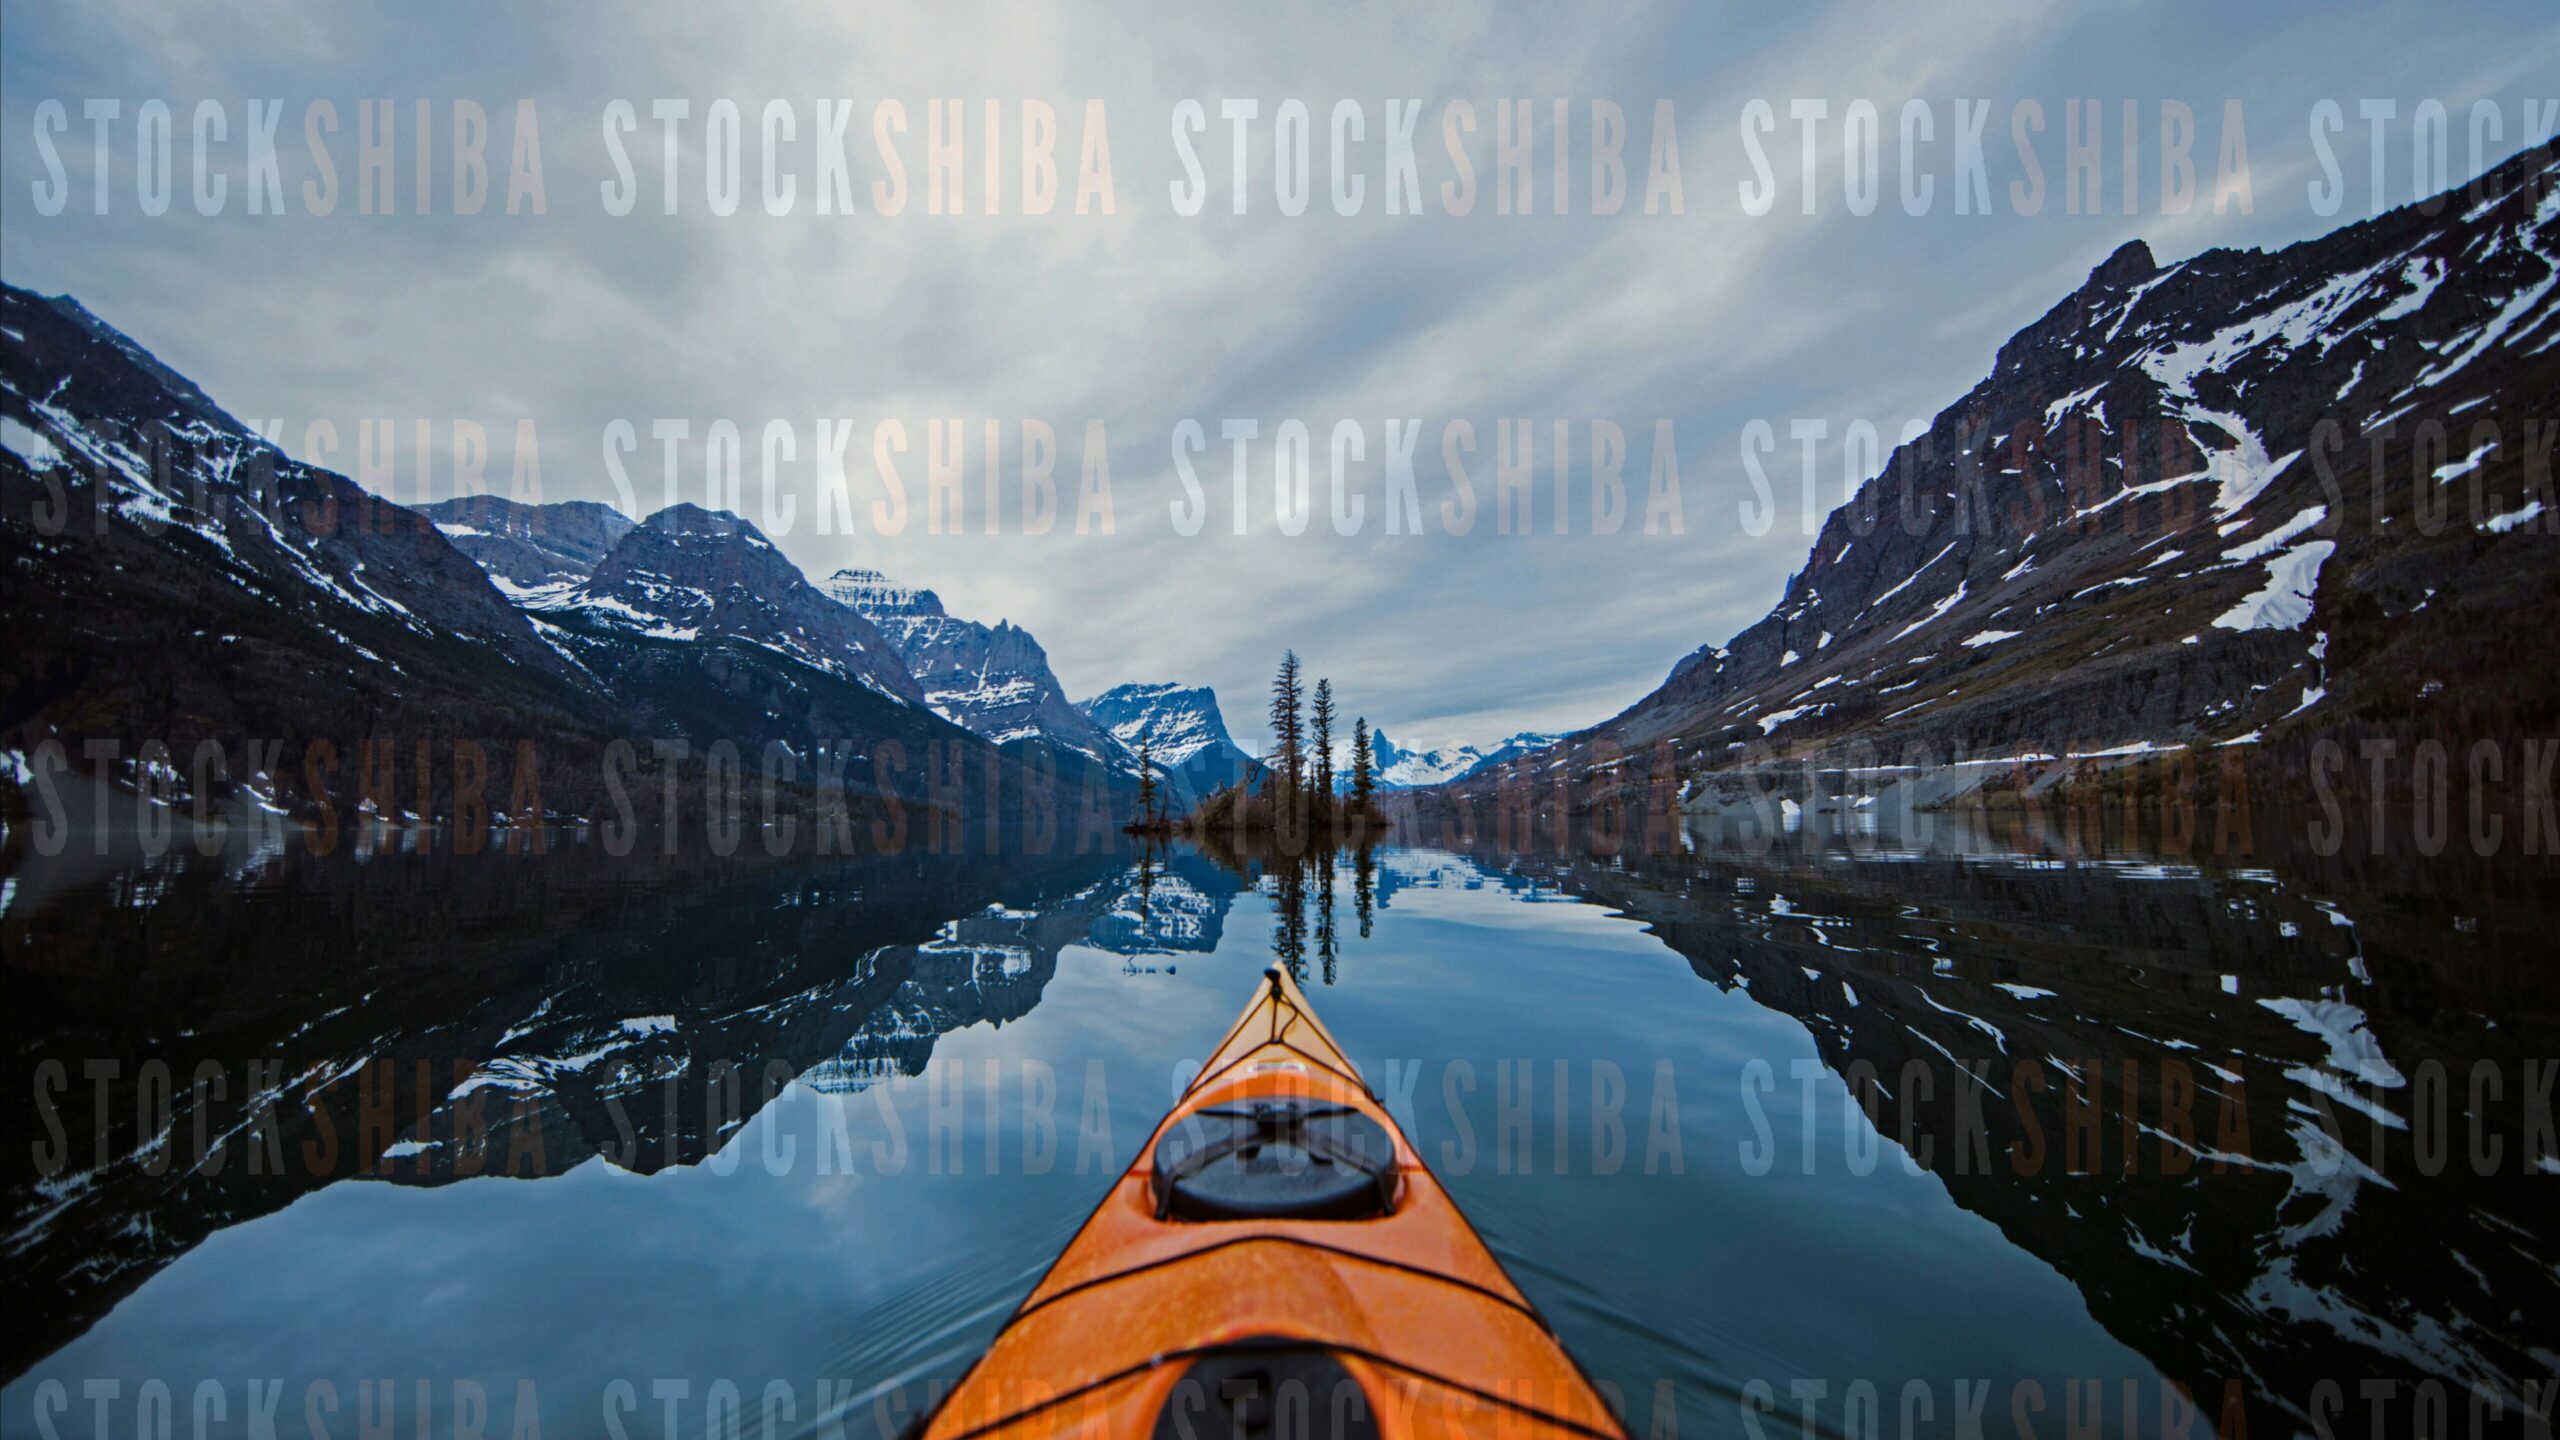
581 320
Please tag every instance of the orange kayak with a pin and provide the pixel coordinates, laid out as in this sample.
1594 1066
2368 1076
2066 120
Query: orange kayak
1277 1262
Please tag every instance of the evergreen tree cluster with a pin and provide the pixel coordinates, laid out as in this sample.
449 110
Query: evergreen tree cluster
1301 788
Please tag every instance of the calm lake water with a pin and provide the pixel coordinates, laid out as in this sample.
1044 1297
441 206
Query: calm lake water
630 1149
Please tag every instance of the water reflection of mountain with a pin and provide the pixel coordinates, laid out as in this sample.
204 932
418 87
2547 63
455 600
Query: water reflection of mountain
2296 1236
991 966
421 1019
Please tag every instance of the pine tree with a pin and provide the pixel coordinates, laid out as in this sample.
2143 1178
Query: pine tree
1322 717
1147 780
1364 765
1287 733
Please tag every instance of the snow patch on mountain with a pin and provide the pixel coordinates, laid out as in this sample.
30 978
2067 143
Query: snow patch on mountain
689 574
994 679
1181 729
1401 769
2284 602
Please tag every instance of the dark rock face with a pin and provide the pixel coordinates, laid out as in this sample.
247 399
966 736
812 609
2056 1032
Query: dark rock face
1184 731
2239 496
525 546
995 680
687 573
177 581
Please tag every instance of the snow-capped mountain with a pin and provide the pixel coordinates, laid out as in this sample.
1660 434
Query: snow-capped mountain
1523 743
682 574
994 679
1402 769
1416 769
1187 735
526 546
687 573
2217 501
179 581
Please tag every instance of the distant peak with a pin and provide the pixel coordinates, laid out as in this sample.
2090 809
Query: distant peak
2131 264
686 518
2065 328
876 595
1150 690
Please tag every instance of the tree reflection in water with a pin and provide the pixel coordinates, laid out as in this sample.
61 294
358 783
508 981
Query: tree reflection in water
1302 880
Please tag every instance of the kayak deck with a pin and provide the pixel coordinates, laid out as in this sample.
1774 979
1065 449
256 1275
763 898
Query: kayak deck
1157 1320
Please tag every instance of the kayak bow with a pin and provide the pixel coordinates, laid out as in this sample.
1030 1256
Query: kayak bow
1277 1261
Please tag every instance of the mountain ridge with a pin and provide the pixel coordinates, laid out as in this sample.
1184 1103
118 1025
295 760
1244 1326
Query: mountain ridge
1402 769
188 590
1184 730
524 546
2190 504
994 679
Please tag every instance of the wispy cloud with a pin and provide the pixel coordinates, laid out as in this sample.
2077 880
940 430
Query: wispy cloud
1708 319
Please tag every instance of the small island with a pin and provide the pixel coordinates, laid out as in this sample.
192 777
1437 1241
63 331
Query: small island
1302 797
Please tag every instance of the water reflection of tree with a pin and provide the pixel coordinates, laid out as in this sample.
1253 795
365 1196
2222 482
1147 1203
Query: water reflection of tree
1325 949
1303 883
1364 887
1288 881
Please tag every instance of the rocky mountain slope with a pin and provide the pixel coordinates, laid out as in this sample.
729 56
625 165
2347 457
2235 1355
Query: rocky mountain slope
177 583
2232 499
525 546
175 579
994 679
688 574
1182 725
